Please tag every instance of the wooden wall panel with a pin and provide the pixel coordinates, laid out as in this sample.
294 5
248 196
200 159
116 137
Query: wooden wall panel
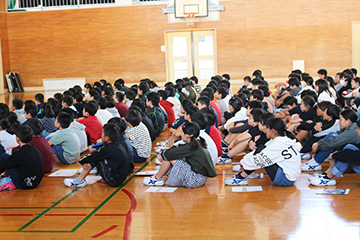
125 41
4 45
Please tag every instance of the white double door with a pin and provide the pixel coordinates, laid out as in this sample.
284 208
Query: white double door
191 53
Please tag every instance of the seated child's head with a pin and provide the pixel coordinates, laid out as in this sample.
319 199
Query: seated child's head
252 105
36 125
90 109
203 102
102 103
189 109
332 112
118 97
321 108
347 117
95 93
235 104
290 102
199 118
194 80
68 101
264 120
256 94
63 120
355 83
18 103
143 88
4 109
311 93
337 78
210 115
39 98
133 118
110 133
191 131
307 103
226 76
87 87
254 117
78 97
170 91
24 134
119 122
163 94
247 81
9 122
153 100
221 93
294 83
309 81
130 95
322 73
31 110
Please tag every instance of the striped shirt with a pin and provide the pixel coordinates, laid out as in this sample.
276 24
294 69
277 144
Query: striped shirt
140 139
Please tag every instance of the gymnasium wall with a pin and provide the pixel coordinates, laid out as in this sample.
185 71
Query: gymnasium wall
125 41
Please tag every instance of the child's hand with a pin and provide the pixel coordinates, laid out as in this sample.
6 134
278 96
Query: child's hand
160 158
230 125
91 149
11 147
315 147
221 128
252 145
318 127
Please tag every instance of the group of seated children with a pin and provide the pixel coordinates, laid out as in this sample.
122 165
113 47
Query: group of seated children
209 126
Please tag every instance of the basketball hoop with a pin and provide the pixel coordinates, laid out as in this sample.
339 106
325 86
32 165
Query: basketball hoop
190 18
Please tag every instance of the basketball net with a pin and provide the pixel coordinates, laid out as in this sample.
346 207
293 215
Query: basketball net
190 18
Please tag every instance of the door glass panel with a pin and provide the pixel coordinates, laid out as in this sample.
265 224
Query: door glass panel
179 47
206 69
180 69
206 46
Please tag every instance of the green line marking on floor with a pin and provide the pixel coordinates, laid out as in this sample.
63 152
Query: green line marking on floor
47 210
109 197
62 199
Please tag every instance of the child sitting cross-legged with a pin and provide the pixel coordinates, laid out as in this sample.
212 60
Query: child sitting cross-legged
279 157
25 165
111 160
187 164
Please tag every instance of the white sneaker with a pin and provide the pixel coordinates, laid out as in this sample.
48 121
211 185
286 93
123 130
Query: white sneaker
236 168
157 161
233 181
157 168
74 182
224 160
316 175
151 181
93 171
160 149
163 143
321 181
305 155
311 165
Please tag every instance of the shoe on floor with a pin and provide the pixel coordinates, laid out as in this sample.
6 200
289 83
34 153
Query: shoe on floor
233 181
163 143
151 181
226 155
74 182
236 168
157 161
317 176
321 181
160 149
224 160
311 165
305 155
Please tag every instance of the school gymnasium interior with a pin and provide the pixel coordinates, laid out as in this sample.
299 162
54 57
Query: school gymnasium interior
57 44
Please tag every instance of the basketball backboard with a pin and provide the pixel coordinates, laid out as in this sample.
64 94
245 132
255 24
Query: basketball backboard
185 7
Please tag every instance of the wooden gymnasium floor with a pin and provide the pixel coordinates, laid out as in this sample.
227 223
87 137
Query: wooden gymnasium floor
53 211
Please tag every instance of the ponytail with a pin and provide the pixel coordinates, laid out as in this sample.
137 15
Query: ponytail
280 127
193 130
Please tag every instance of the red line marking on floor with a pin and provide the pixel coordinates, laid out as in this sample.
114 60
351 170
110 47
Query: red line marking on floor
110 215
16 215
105 231
129 214
65 215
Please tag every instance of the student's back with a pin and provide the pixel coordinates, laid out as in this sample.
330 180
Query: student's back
46 152
28 163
